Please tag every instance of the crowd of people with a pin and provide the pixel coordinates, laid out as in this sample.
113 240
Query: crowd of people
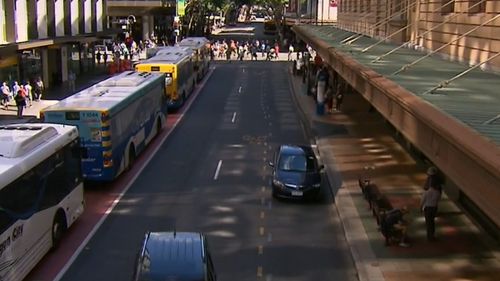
249 50
22 94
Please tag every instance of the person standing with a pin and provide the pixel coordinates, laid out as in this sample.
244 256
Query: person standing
71 79
6 94
433 179
98 57
290 52
29 93
20 99
429 206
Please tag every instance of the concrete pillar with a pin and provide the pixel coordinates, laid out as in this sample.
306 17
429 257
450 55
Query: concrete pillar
87 6
3 37
145 27
151 23
99 10
75 14
59 17
10 26
21 21
64 63
44 54
41 18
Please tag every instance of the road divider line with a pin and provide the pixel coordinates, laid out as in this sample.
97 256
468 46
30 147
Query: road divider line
259 271
219 165
262 230
262 215
234 117
239 90
260 249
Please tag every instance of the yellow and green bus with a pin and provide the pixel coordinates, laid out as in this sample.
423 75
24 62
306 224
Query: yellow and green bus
201 53
180 80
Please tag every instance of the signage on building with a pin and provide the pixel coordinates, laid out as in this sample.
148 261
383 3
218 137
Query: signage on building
333 3
181 7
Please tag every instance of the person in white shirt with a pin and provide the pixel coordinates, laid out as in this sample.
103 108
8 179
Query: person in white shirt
6 95
29 93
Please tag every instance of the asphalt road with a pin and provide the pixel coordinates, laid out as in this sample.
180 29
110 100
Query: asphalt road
244 32
241 115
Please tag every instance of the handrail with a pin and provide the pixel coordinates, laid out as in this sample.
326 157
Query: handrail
406 66
382 22
403 28
426 32
445 83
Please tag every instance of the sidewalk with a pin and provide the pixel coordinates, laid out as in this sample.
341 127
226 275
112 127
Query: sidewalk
51 96
350 140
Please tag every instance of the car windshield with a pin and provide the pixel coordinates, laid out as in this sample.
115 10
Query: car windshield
296 163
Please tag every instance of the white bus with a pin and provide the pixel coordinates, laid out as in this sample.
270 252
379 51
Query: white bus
41 192
201 48
117 118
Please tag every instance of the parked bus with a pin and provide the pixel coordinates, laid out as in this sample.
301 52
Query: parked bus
201 48
41 193
117 118
151 52
180 76
270 27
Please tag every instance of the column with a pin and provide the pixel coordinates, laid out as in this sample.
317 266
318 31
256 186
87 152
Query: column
45 66
145 27
75 14
64 63
10 26
21 21
87 6
99 14
3 37
41 18
59 17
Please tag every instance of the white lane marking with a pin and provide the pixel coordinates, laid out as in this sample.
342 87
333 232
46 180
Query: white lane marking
130 182
239 90
234 117
218 170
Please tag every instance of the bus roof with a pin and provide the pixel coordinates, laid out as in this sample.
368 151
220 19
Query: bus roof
169 58
107 94
173 50
23 146
193 42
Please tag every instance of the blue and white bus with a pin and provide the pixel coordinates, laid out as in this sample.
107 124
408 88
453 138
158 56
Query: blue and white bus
41 193
201 49
117 118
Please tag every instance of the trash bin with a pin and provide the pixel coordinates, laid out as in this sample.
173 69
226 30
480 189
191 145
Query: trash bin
320 108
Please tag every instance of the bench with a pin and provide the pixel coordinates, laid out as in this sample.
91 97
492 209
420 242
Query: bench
380 205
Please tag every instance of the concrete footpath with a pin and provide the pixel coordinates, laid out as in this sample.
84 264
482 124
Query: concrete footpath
355 142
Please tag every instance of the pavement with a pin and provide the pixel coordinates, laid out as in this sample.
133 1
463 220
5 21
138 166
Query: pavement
355 142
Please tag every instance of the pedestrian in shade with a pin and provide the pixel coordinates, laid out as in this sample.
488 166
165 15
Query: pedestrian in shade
429 206
20 99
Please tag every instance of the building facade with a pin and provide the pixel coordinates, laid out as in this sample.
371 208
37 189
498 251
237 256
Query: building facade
467 31
49 38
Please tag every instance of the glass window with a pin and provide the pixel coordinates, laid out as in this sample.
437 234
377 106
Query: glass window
447 7
296 163
477 6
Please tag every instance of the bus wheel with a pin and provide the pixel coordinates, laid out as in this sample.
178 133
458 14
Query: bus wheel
131 157
58 228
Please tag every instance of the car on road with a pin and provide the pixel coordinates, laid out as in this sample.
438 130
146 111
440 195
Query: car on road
296 173
179 256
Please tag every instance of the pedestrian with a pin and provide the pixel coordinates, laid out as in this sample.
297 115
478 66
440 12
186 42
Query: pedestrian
98 57
6 95
15 88
105 57
71 80
433 179
290 52
329 99
20 99
39 88
393 224
429 205
29 93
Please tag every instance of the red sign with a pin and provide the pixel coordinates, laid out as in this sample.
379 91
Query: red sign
333 3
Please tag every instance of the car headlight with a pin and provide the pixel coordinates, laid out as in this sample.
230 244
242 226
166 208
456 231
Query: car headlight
278 183
316 185
168 81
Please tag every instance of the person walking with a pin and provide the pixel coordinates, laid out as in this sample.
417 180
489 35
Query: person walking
6 95
71 80
20 99
39 88
290 52
433 179
29 93
429 205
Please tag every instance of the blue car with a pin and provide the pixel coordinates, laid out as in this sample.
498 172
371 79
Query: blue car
179 256
296 173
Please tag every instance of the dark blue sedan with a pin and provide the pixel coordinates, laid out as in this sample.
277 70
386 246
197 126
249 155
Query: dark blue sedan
296 173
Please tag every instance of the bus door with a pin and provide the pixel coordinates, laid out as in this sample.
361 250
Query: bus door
94 139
